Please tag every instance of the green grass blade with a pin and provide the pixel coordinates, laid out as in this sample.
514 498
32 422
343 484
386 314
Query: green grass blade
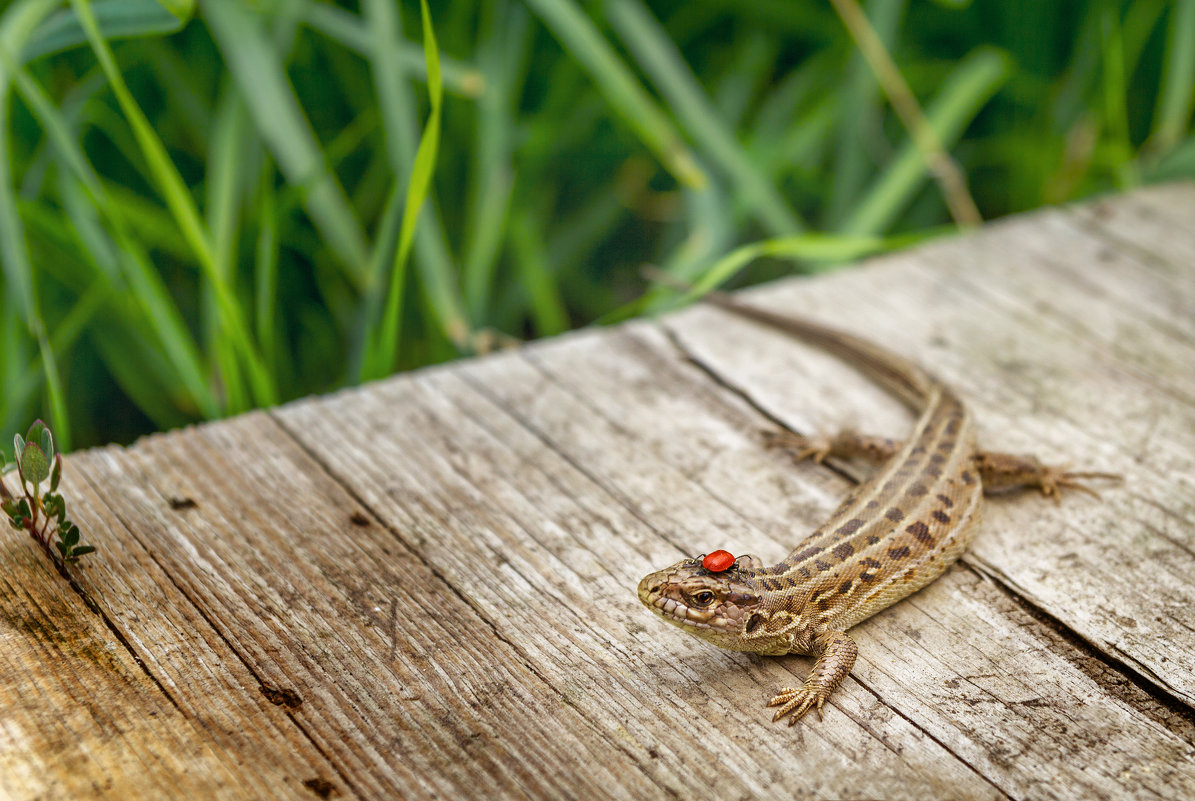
857 112
139 370
181 205
62 338
673 78
148 221
62 421
1116 114
803 143
266 269
742 81
547 308
1173 112
145 283
780 109
256 65
226 157
118 19
380 360
617 84
349 30
15 28
961 97
385 245
79 252
810 248
577 235
16 407
712 232
1176 165
433 260
504 52
69 110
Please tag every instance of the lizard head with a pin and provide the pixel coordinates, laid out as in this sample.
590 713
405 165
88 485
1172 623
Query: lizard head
724 606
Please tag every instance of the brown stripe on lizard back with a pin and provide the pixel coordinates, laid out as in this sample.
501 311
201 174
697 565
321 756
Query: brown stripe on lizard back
901 497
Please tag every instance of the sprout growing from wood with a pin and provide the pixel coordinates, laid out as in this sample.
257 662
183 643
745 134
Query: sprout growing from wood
42 514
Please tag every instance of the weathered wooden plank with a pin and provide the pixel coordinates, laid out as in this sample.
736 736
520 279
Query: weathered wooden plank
386 670
202 676
552 555
1153 224
441 567
78 717
937 657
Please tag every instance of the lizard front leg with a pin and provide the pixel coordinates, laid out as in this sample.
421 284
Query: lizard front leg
835 653
999 472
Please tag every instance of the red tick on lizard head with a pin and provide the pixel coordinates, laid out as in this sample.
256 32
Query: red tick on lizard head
718 561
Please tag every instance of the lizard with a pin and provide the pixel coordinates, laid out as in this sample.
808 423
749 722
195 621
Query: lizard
890 536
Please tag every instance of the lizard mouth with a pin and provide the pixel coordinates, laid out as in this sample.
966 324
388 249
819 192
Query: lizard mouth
655 597
677 612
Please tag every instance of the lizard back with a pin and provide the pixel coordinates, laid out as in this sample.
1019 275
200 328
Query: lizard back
906 524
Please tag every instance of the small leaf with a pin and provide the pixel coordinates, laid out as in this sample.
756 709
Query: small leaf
47 443
56 473
23 508
34 465
71 537
63 548
9 505
34 432
117 19
81 550
18 446
55 507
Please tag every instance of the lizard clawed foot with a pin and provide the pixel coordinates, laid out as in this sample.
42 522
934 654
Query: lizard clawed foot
835 656
800 446
1009 471
1052 480
796 703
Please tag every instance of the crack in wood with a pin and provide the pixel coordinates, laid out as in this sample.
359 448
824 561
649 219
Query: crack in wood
110 624
929 735
832 465
1113 675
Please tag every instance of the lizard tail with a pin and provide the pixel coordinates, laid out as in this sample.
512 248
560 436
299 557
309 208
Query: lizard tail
910 383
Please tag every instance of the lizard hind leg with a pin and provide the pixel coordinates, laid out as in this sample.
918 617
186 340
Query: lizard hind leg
836 656
846 444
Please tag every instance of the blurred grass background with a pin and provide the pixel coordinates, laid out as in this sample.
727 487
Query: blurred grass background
208 207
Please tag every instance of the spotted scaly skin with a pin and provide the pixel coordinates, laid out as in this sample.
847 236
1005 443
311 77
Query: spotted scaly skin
890 536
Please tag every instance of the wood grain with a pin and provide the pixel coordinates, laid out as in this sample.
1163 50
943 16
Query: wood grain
424 588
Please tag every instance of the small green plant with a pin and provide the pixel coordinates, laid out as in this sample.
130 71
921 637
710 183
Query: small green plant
42 514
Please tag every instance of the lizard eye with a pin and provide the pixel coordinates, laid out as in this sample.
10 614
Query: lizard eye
703 598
